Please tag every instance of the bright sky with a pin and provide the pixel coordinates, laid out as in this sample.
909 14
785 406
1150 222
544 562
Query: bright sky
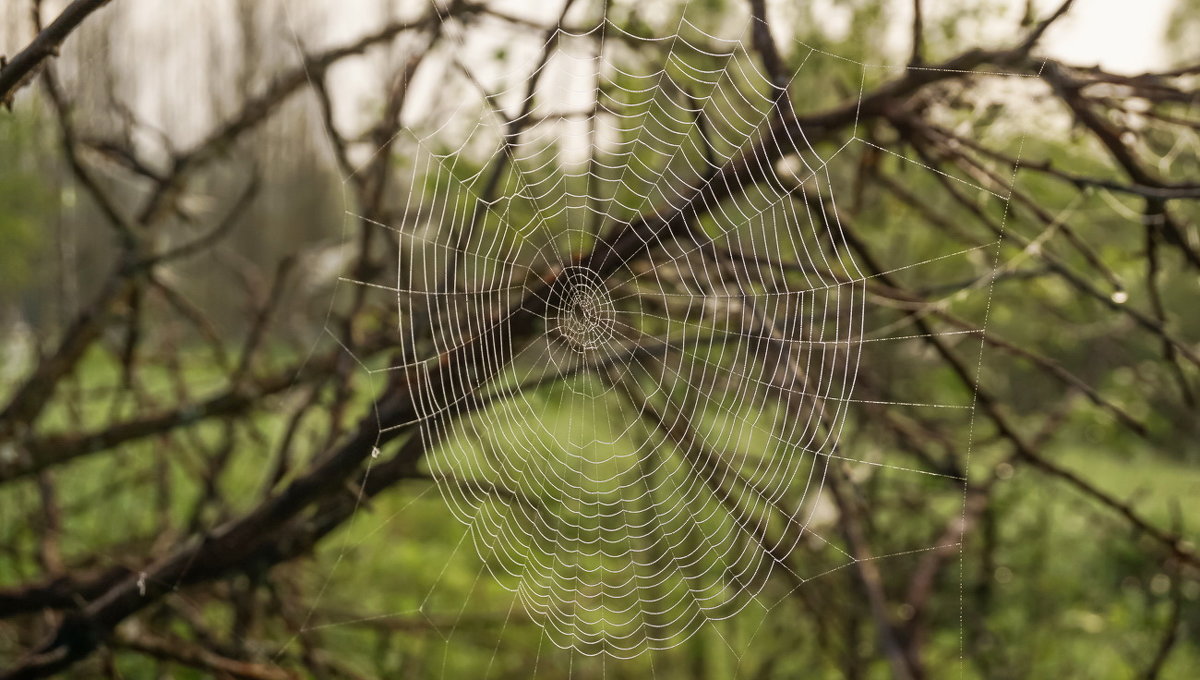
1119 35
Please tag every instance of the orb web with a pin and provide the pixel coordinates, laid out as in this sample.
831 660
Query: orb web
584 313
613 404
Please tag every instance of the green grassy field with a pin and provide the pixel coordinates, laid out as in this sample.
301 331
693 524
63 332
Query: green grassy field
401 591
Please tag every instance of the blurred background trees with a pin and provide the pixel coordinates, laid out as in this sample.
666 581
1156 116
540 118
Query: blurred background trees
193 477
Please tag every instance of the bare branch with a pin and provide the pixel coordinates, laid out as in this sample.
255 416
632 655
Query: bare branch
15 73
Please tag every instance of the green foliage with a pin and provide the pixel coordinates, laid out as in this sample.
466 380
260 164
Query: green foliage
1051 586
27 213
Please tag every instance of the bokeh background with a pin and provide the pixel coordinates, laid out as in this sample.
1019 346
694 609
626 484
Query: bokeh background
187 189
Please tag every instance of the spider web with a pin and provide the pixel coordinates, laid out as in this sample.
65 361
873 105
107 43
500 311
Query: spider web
645 437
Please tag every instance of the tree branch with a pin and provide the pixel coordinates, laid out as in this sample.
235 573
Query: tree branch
20 70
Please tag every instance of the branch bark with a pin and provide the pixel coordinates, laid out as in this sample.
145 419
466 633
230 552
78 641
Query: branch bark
20 70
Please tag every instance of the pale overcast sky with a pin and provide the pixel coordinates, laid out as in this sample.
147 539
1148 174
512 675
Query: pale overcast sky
1119 35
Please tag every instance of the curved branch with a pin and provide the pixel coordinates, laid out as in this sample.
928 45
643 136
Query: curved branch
20 70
